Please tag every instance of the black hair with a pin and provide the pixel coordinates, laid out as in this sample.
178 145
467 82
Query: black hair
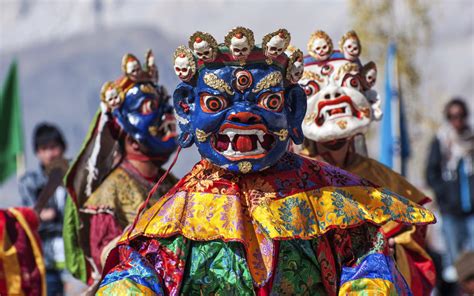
46 133
459 102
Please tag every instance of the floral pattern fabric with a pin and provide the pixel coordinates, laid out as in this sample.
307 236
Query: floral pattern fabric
298 207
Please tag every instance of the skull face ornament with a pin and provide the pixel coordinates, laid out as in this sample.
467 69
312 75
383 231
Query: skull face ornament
204 46
295 66
276 43
340 101
240 42
320 46
111 96
151 68
370 73
184 64
241 117
131 66
350 46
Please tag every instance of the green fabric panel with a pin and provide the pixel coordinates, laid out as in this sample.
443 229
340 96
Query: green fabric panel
179 245
217 267
11 131
75 259
298 271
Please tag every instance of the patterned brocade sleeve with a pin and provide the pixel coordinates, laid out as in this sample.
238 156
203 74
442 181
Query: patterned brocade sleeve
134 275
146 267
366 267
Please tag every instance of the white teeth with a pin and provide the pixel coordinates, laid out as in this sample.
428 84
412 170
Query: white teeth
325 114
260 138
259 148
229 151
348 111
326 111
231 135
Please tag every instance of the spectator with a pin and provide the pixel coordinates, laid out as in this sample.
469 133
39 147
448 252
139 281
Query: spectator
49 145
465 269
450 174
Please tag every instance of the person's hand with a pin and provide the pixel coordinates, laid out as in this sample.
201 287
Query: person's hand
47 214
391 246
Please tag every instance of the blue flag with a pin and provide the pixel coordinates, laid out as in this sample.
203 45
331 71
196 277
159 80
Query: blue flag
394 140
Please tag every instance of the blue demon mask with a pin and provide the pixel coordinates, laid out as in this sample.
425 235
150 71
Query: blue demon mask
241 110
141 108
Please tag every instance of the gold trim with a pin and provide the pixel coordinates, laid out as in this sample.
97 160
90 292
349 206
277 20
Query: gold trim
310 75
309 118
201 135
342 124
215 82
245 167
36 248
347 68
272 79
282 134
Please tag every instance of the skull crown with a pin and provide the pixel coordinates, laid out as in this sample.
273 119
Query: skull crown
320 46
238 47
113 92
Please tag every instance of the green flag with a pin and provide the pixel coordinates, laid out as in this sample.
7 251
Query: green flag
11 132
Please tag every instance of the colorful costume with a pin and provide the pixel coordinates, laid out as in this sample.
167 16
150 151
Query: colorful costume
252 218
106 189
22 269
341 105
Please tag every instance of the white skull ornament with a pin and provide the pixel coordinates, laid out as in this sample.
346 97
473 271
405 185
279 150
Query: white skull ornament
321 48
240 46
371 77
240 41
112 98
204 46
132 68
350 46
203 50
351 49
111 95
295 66
151 68
184 65
277 43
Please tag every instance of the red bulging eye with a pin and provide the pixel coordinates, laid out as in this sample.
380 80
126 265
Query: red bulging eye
212 104
148 106
272 101
311 88
327 69
353 82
